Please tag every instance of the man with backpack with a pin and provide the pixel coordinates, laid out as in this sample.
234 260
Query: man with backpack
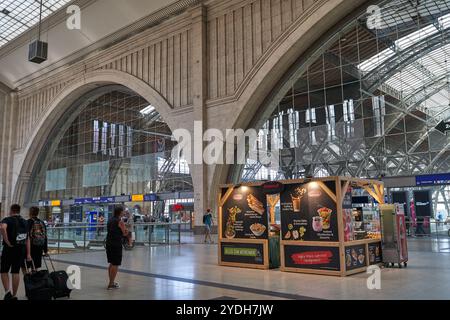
37 233
16 246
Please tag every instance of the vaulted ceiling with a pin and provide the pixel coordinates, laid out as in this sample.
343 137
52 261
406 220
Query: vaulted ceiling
100 19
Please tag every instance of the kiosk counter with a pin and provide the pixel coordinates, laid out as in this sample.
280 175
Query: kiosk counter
319 230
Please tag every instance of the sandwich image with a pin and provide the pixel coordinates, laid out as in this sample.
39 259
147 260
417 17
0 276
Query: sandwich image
255 204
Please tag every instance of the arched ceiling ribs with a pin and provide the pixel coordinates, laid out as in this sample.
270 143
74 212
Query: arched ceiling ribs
443 151
394 122
403 58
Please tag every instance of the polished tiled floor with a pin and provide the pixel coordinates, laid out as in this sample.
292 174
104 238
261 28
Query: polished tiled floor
190 271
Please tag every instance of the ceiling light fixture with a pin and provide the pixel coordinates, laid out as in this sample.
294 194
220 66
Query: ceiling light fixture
38 50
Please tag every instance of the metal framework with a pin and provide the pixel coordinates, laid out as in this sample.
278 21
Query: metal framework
396 78
18 16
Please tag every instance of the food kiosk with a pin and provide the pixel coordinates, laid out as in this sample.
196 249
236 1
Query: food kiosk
317 230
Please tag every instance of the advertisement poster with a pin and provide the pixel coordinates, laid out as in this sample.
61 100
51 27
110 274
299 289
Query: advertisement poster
303 257
244 214
308 213
401 233
347 215
355 257
96 174
251 253
348 225
56 179
375 253
401 197
422 203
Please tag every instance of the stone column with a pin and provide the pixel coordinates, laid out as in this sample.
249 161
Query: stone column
8 134
3 150
199 94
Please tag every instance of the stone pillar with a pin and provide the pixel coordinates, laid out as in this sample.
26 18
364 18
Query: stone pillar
3 151
8 133
199 94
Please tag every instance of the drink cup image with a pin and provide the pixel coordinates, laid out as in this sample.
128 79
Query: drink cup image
317 224
325 214
296 203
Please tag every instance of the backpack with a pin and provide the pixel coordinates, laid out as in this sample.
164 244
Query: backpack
21 231
204 218
38 233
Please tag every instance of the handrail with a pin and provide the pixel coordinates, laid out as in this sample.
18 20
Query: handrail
83 226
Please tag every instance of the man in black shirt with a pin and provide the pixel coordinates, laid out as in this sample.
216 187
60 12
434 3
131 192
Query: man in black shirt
37 232
16 246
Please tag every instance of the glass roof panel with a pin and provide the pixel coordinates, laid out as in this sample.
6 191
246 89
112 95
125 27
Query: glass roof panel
18 16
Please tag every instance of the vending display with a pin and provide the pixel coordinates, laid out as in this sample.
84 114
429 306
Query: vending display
365 223
394 243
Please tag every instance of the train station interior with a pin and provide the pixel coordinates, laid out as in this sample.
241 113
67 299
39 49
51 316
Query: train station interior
251 149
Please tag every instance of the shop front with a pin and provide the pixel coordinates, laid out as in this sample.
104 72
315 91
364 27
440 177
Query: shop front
306 225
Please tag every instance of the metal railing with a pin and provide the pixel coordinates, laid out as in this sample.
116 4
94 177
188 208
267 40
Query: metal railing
88 236
431 229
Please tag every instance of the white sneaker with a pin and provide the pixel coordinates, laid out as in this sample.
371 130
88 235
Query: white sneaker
113 286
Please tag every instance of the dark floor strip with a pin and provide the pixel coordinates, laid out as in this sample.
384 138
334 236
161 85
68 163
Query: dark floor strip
224 298
198 282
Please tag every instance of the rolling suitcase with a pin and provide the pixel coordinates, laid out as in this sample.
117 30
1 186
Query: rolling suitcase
38 284
60 281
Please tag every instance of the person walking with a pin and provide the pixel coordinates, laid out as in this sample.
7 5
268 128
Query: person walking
208 221
129 224
37 232
16 246
146 220
116 231
100 225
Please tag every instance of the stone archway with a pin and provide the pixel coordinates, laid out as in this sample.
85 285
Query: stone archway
276 70
25 159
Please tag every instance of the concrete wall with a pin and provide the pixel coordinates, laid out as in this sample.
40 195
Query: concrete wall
215 62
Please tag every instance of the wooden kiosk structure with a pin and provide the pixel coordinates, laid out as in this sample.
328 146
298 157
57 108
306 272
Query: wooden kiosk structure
316 225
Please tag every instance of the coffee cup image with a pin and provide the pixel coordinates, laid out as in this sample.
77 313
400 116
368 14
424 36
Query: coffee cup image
317 224
296 203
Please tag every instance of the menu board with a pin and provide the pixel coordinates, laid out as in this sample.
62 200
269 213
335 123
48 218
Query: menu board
250 253
305 257
308 213
244 214
355 257
375 255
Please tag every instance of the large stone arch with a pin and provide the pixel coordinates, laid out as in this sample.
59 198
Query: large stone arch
280 66
26 158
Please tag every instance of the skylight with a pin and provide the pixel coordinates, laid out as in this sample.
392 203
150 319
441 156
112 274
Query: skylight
403 43
147 110
18 16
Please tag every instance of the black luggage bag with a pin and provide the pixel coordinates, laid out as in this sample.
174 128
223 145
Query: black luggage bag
38 285
60 281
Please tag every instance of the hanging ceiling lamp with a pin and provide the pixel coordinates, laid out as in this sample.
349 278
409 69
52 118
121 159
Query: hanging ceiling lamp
38 50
